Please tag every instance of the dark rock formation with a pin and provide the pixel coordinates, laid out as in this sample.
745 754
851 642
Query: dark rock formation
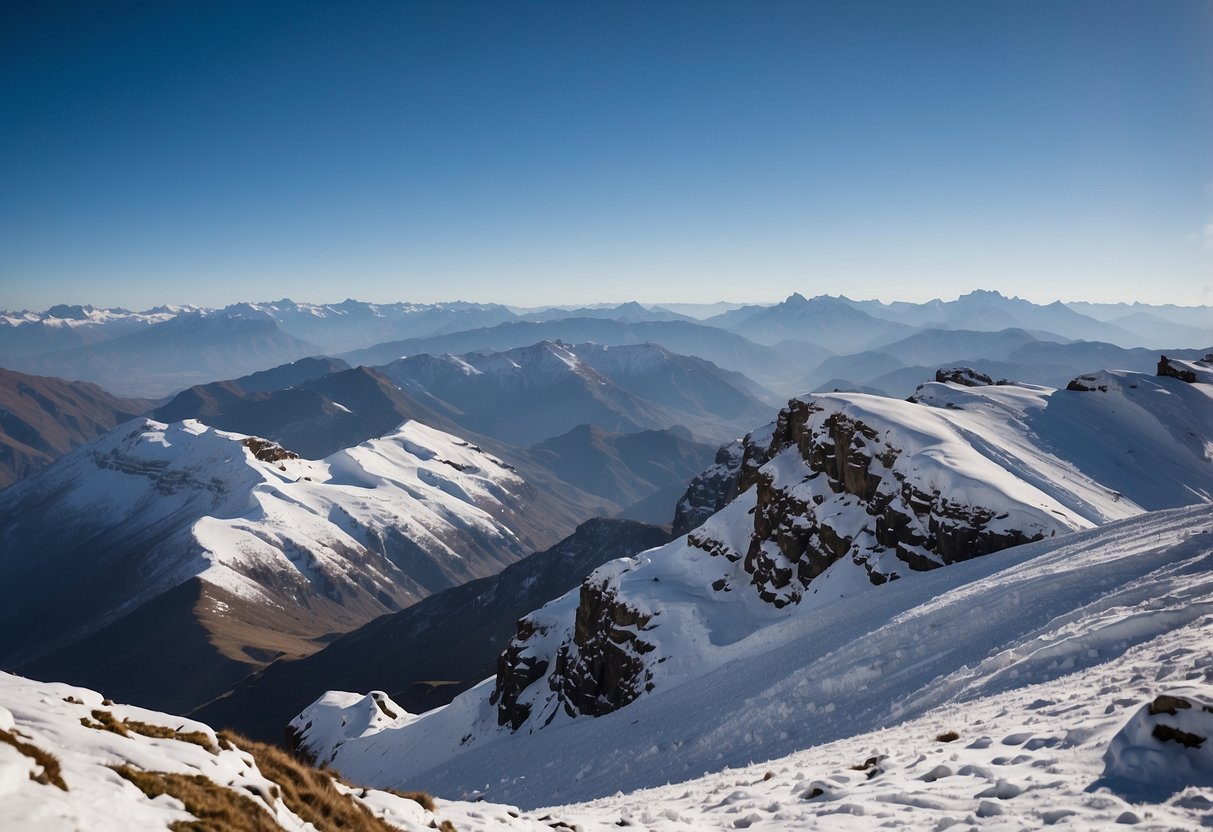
517 671
1169 369
791 544
267 451
1088 384
711 490
601 671
597 671
965 376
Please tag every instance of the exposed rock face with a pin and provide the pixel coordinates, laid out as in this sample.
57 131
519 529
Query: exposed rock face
267 451
801 528
601 670
1089 384
966 376
711 490
516 671
598 670
1189 371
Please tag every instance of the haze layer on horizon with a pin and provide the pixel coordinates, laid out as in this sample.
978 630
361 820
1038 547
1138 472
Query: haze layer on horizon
542 153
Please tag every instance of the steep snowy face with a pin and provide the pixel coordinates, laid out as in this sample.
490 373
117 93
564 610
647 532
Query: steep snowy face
844 492
151 505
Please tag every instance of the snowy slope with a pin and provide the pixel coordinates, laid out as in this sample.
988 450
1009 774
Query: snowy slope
1073 745
286 549
842 493
1104 603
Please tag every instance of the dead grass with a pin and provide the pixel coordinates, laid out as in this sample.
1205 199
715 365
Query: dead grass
51 774
105 721
422 798
309 792
216 808
947 736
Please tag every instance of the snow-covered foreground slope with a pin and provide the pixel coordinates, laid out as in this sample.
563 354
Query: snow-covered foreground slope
842 493
98 750
1057 720
284 549
1101 619
1077 752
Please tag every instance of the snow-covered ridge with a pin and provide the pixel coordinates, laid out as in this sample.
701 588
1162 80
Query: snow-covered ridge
849 491
361 532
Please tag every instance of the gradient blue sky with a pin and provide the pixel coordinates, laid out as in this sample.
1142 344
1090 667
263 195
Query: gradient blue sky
530 153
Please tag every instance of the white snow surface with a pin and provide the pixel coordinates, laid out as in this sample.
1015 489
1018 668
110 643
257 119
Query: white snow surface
735 679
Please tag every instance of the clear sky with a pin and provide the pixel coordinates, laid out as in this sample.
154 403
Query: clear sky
564 152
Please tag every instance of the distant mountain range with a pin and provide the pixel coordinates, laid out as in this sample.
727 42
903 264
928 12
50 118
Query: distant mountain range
166 356
163 350
724 349
529 394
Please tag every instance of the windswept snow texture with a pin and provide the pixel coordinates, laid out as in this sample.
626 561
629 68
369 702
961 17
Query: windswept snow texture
1017 461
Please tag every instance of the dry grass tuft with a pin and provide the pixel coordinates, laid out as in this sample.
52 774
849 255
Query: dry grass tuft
424 799
105 721
51 774
215 808
947 736
309 792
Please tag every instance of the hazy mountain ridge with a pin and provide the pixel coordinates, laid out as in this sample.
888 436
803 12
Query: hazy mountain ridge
532 393
43 418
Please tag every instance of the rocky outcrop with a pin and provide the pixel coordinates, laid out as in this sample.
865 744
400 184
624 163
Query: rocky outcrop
966 376
711 490
601 670
596 668
517 670
267 451
853 501
1089 384
1189 371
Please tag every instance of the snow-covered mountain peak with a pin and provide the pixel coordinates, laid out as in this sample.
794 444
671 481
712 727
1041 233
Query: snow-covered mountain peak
151 506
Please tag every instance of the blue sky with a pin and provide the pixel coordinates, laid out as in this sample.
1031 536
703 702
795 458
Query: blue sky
569 152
